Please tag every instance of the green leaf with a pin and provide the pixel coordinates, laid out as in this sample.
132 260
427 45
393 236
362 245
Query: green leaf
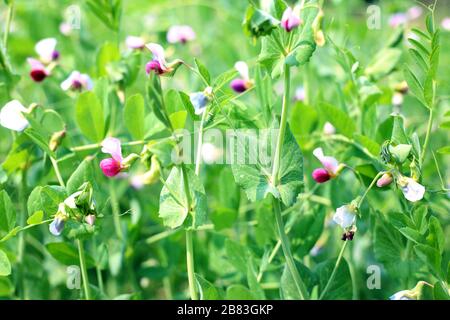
206 289
35 218
45 199
155 95
339 119
301 54
341 286
239 292
107 54
237 255
40 139
372 146
398 135
287 284
89 116
440 291
431 257
414 85
7 212
444 150
134 115
5 265
303 121
308 227
383 62
67 254
203 71
173 202
436 236
258 23
83 173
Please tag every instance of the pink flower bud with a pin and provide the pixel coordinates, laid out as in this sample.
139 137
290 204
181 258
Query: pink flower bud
239 85
90 219
321 175
290 20
385 180
110 167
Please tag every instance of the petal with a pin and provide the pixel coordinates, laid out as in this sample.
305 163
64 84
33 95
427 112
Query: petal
134 42
158 54
35 64
300 94
413 191
110 167
86 81
329 163
199 101
242 68
344 216
112 146
11 116
45 49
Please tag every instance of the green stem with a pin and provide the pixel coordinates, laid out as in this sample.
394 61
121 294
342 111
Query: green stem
97 268
190 265
87 293
287 251
379 174
427 137
333 273
21 243
8 24
57 172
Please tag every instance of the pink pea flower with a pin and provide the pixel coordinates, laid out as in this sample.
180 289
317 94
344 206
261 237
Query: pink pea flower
38 71
112 166
385 180
445 23
291 18
77 81
46 49
398 19
243 83
180 34
135 43
414 12
300 94
331 167
65 28
158 63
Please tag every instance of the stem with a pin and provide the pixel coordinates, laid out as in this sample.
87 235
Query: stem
87 293
21 243
8 24
427 137
287 251
379 174
190 265
199 143
333 273
57 172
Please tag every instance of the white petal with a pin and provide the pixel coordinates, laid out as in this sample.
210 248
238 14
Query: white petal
134 42
329 163
328 128
112 146
413 191
242 68
11 116
158 54
344 216
67 84
210 153
45 49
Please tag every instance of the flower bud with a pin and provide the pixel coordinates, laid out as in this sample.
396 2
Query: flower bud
56 139
110 167
239 85
290 19
321 175
385 180
90 219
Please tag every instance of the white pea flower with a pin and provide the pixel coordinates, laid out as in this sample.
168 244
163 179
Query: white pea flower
134 42
412 190
210 153
46 49
345 216
328 128
77 81
11 116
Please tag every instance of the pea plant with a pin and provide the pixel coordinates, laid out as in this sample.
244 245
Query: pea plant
260 150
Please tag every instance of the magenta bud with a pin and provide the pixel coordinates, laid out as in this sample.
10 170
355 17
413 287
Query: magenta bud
321 175
384 181
55 55
38 75
239 85
110 167
153 66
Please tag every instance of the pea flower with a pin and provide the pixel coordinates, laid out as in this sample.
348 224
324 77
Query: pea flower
200 100
328 128
300 94
243 83
412 190
398 19
11 116
385 180
445 23
77 81
345 216
158 63
56 227
291 18
38 70
46 49
414 12
211 153
90 219
180 34
112 166
135 43
413 294
65 28
331 167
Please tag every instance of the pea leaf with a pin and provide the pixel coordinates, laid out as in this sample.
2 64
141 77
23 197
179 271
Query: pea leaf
134 115
339 119
239 292
7 213
5 265
341 286
45 199
89 116
206 290
67 254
